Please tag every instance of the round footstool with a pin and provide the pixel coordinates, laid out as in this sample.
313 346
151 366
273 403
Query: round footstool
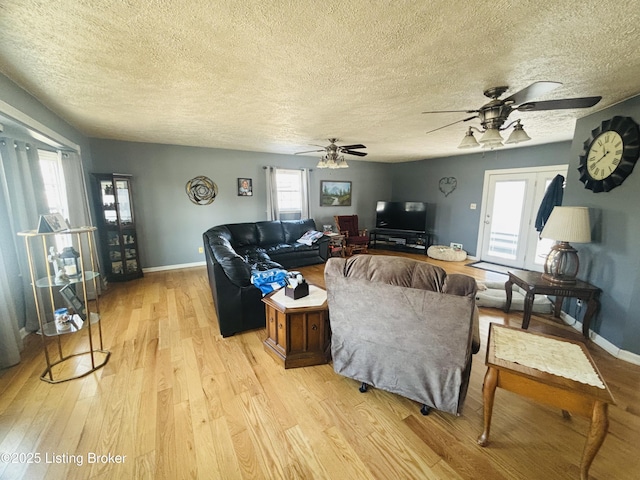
448 254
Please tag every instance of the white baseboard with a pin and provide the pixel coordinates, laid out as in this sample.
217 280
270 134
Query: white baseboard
174 267
609 347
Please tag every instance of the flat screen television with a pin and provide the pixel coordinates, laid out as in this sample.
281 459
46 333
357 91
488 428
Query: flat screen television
402 216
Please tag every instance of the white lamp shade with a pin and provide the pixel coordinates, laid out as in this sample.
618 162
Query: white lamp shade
568 224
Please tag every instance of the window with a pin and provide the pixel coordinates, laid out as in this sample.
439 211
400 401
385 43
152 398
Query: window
55 190
289 191
53 179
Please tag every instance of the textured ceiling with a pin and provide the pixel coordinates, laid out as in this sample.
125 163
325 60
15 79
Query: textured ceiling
276 76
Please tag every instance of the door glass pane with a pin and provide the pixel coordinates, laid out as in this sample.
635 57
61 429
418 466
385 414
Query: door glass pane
506 218
124 203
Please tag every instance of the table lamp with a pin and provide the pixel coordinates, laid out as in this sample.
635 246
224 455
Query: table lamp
565 224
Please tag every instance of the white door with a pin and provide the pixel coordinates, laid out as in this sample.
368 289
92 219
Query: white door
511 199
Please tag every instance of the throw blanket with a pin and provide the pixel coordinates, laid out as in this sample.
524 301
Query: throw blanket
310 237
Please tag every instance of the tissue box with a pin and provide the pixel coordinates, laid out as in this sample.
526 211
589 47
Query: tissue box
302 290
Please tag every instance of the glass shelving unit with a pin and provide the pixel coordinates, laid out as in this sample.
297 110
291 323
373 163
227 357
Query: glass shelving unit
81 298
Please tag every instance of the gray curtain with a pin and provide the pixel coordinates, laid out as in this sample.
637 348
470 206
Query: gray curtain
78 204
305 193
10 296
23 198
74 180
273 213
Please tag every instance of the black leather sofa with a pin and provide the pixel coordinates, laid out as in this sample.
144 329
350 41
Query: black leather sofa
232 251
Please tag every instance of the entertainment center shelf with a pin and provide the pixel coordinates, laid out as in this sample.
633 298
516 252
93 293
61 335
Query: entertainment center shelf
405 240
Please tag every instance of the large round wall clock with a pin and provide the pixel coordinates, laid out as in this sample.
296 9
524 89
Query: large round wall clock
610 154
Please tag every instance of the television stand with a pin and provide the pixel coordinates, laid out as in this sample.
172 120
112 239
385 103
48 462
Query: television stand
404 240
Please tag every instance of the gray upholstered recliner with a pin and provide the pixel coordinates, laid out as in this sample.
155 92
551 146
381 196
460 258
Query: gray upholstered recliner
403 326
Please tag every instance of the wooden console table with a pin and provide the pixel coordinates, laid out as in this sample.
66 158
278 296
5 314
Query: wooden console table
298 333
587 399
533 284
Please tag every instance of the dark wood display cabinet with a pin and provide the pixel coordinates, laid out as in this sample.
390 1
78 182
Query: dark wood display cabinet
117 226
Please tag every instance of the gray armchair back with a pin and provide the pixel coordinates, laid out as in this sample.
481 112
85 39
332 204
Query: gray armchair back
403 326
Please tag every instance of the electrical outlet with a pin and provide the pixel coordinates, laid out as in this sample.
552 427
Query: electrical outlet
456 246
200 249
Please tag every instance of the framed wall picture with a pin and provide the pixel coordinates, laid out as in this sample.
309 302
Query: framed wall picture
245 187
335 193
52 223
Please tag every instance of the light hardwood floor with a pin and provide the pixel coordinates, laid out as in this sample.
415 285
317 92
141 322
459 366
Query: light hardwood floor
178 401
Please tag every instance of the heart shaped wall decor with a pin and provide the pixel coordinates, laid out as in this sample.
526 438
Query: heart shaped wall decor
447 185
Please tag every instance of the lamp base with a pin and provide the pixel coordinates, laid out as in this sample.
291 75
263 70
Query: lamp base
559 280
561 266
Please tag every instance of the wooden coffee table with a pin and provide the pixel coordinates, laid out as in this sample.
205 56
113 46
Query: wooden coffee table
557 391
298 333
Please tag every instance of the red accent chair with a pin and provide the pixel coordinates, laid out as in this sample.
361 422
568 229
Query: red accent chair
356 240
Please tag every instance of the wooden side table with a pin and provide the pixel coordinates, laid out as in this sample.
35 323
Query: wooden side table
557 391
298 333
533 284
336 245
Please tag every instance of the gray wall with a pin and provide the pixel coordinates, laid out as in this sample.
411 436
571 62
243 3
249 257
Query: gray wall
170 227
611 261
451 218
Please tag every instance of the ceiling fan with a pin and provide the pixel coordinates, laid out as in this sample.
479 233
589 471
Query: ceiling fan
494 115
334 154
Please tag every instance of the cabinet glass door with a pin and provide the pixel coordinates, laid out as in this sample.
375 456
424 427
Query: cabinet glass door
124 202
108 203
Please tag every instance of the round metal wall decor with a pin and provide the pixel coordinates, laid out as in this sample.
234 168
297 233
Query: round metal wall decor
202 190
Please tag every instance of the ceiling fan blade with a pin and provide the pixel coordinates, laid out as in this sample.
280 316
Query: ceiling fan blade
453 111
310 151
358 154
535 90
459 121
351 147
563 104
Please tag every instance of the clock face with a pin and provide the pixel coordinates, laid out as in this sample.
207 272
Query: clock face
610 154
604 155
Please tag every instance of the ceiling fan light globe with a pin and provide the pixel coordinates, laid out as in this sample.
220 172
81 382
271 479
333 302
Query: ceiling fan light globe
518 135
491 137
469 141
492 145
342 162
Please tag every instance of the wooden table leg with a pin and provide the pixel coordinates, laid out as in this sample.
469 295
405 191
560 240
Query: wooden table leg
595 437
508 288
592 307
488 394
557 306
528 308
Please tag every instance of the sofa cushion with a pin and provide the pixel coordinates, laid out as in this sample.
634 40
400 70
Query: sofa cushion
243 234
270 233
